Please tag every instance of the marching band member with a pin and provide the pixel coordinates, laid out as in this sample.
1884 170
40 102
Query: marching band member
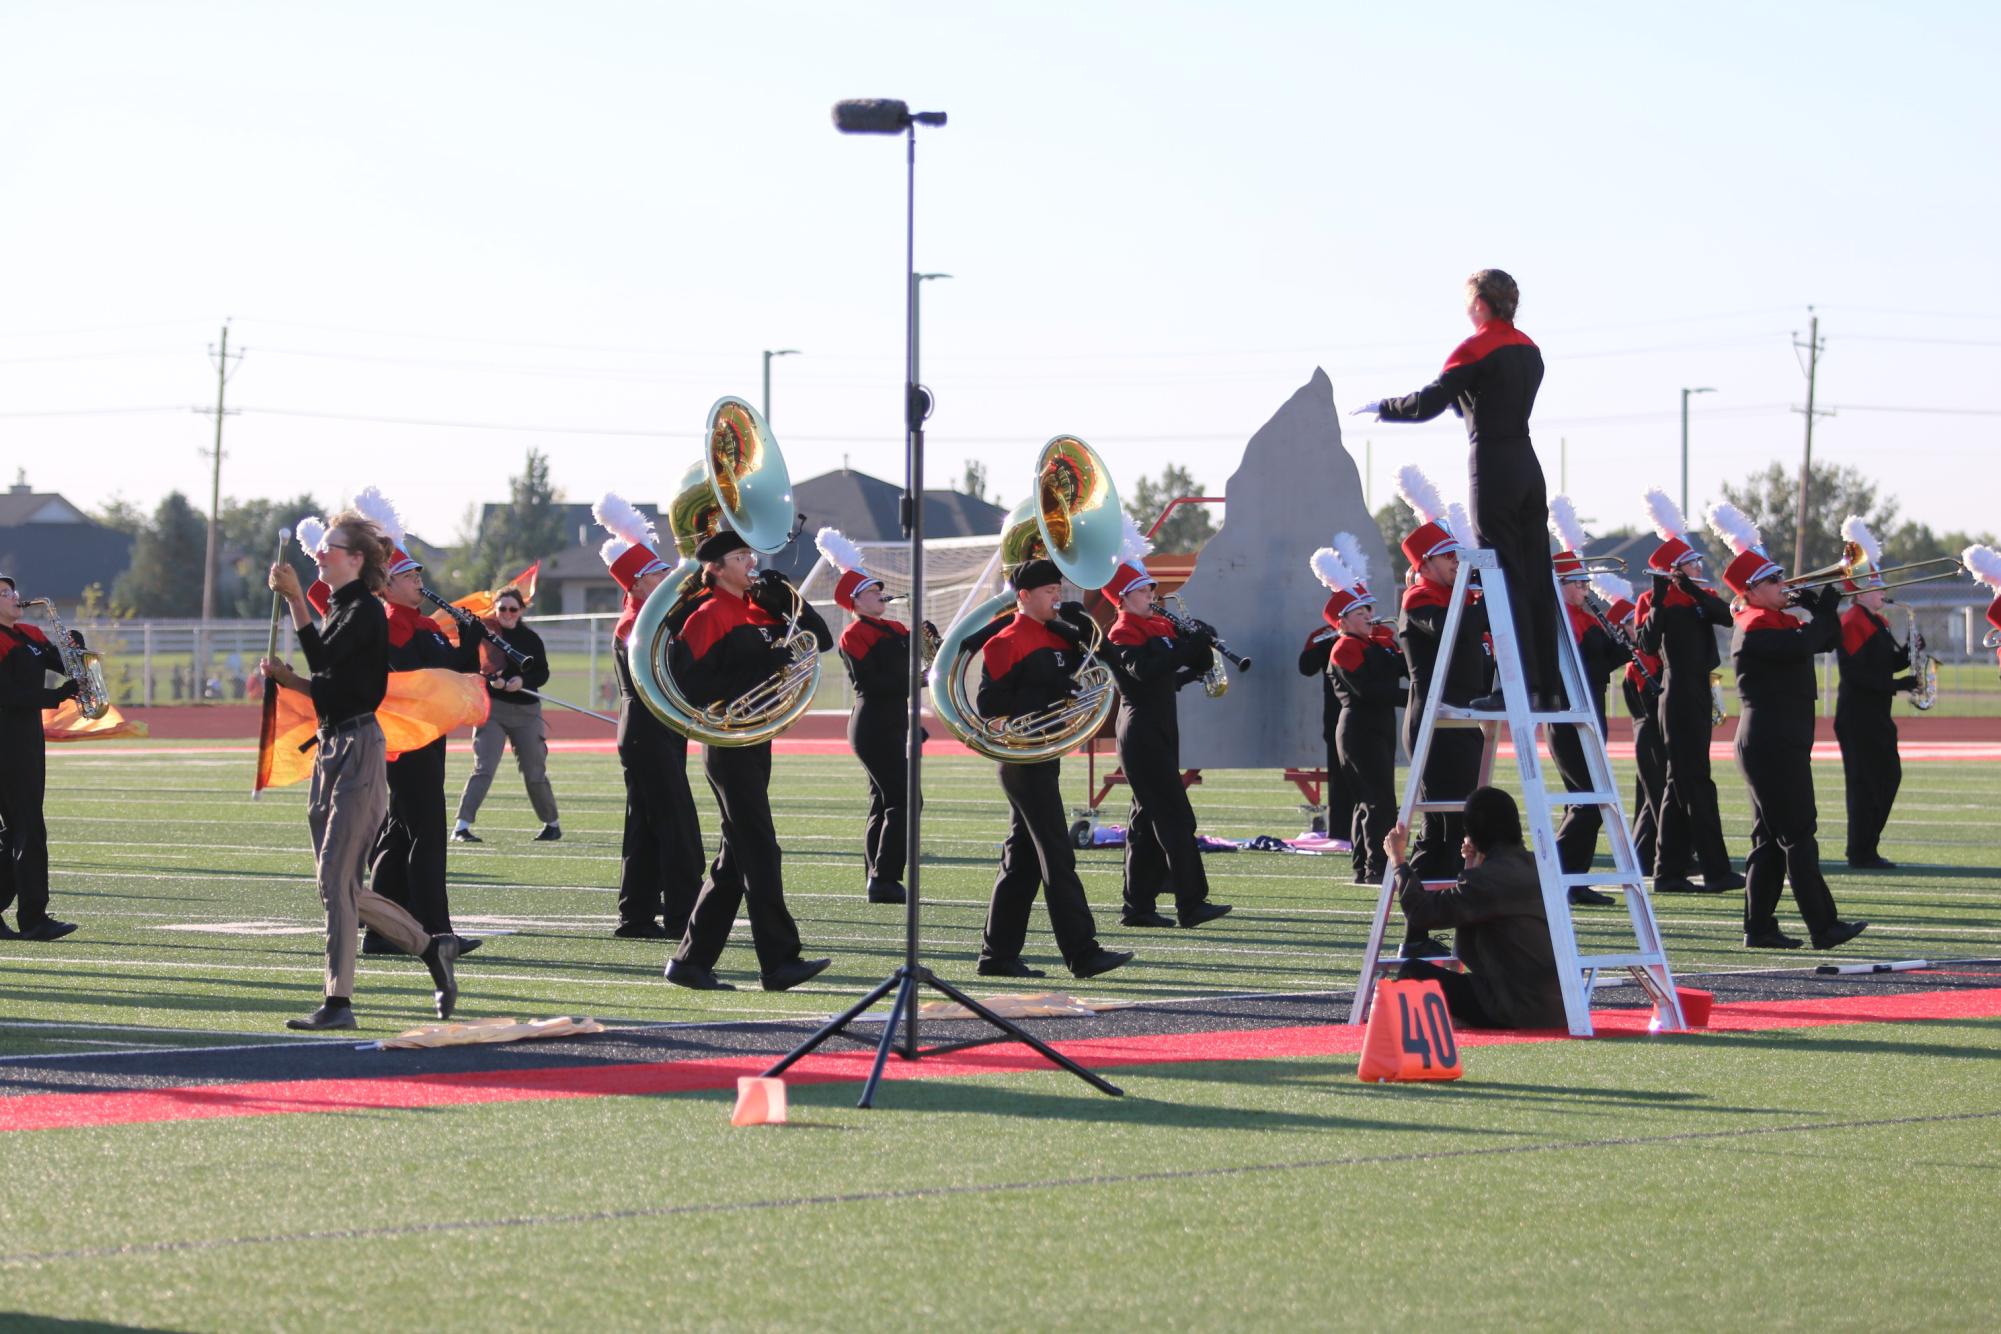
348 654
1774 657
513 718
876 651
660 852
1577 832
1452 768
1314 656
1984 564
409 867
729 645
1029 664
1680 630
1491 380
26 659
1366 671
1642 688
1870 659
1151 663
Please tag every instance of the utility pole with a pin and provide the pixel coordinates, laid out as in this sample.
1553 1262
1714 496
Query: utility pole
1684 442
1813 346
221 355
782 352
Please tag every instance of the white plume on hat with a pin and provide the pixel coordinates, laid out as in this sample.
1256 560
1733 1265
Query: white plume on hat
312 534
1330 570
1350 551
377 509
1462 526
840 551
1984 564
1419 493
1669 525
1612 588
628 527
1563 524
1134 547
1854 529
1728 522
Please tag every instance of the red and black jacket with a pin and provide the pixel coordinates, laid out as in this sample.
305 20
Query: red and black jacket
416 642
1491 380
26 656
877 653
1680 630
1641 691
1027 665
1774 654
1425 604
1869 659
1151 662
1367 672
1602 655
731 643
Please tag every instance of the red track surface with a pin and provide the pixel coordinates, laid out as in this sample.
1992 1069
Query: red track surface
53 1111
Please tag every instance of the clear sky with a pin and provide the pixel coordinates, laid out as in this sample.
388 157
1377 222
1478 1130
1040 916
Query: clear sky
582 223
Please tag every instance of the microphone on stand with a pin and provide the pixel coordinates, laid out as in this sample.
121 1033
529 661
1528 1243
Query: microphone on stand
880 115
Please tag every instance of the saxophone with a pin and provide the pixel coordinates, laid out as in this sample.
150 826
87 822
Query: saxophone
1923 666
93 696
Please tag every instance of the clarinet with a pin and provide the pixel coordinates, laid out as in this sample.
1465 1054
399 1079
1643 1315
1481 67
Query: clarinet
467 621
1189 628
1620 636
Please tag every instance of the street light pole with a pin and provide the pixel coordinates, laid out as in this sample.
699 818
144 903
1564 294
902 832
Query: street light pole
917 281
781 352
1684 443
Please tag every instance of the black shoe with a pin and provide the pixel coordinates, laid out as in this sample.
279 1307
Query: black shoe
1204 912
1871 864
48 929
695 977
1424 947
1101 962
1674 884
787 976
551 833
8 932
438 958
328 1015
1148 918
1770 939
1838 934
466 836
374 944
1007 968
467 944
1582 897
648 930
1727 883
1364 878
1493 703
1552 701
886 891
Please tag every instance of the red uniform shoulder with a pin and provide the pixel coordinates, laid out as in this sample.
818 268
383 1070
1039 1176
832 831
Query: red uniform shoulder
1756 618
1581 622
1497 334
405 623
1857 625
860 636
1017 639
1425 593
1348 651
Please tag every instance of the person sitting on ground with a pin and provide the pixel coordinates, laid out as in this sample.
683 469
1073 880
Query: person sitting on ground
1496 912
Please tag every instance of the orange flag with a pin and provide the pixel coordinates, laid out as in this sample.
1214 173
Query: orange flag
66 722
481 604
421 706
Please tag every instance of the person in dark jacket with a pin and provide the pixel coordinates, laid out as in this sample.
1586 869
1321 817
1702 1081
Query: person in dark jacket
1498 921
660 849
1577 832
1680 628
513 717
1314 657
1777 683
876 652
1152 662
1871 661
1640 684
731 643
26 660
1026 665
1365 669
1491 380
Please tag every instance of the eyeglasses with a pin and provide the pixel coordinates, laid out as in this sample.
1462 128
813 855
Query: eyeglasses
506 610
336 546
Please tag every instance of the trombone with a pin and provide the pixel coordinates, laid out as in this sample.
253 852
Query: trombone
1855 566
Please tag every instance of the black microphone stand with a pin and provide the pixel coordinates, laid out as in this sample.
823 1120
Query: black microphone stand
913 974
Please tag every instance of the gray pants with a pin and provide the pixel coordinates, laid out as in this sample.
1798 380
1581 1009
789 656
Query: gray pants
522 724
350 798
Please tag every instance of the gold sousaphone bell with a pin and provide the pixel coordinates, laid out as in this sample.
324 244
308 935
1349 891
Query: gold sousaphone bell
1072 518
741 484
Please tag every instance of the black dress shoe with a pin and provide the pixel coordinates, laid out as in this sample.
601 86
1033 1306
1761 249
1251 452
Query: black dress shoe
1493 703
466 836
1727 883
1364 878
640 931
1838 934
1425 947
787 976
1549 702
1770 939
551 833
328 1015
467 944
444 950
8 932
1871 864
1674 884
1101 962
1204 912
1582 897
1147 918
1007 968
695 977
48 929
886 891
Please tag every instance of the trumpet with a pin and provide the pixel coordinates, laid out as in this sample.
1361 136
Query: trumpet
1855 566
1603 565
93 696
467 621
1215 681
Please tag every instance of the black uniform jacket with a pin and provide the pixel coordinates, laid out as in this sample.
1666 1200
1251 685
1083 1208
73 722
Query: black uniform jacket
1500 931
1869 659
731 643
1602 655
877 654
1027 665
1313 661
1490 380
1368 675
1774 656
1150 662
1677 628
416 642
26 657
1424 608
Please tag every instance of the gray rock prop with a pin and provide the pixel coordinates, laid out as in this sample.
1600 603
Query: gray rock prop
1294 489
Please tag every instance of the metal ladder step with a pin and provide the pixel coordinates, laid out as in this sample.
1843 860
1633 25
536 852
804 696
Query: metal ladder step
1463 717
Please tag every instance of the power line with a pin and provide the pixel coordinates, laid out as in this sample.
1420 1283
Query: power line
95 412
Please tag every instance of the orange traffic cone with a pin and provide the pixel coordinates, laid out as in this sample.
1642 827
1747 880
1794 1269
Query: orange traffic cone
759 1102
1410 1035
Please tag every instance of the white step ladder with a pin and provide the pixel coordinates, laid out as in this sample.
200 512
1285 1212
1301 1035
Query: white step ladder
1577 973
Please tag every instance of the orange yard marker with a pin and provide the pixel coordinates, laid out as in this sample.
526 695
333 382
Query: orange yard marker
759 1102
1410 1035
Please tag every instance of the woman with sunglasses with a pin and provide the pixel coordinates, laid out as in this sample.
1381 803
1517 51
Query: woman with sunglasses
514 716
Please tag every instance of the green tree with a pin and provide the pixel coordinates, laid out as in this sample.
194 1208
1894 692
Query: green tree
249 540
1188 528
1770 499
1395 521
525 529
121 514
165 576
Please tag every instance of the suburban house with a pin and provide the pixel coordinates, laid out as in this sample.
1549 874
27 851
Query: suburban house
54 550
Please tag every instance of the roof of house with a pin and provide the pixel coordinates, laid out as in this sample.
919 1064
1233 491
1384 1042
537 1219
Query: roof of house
60 560
22 504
